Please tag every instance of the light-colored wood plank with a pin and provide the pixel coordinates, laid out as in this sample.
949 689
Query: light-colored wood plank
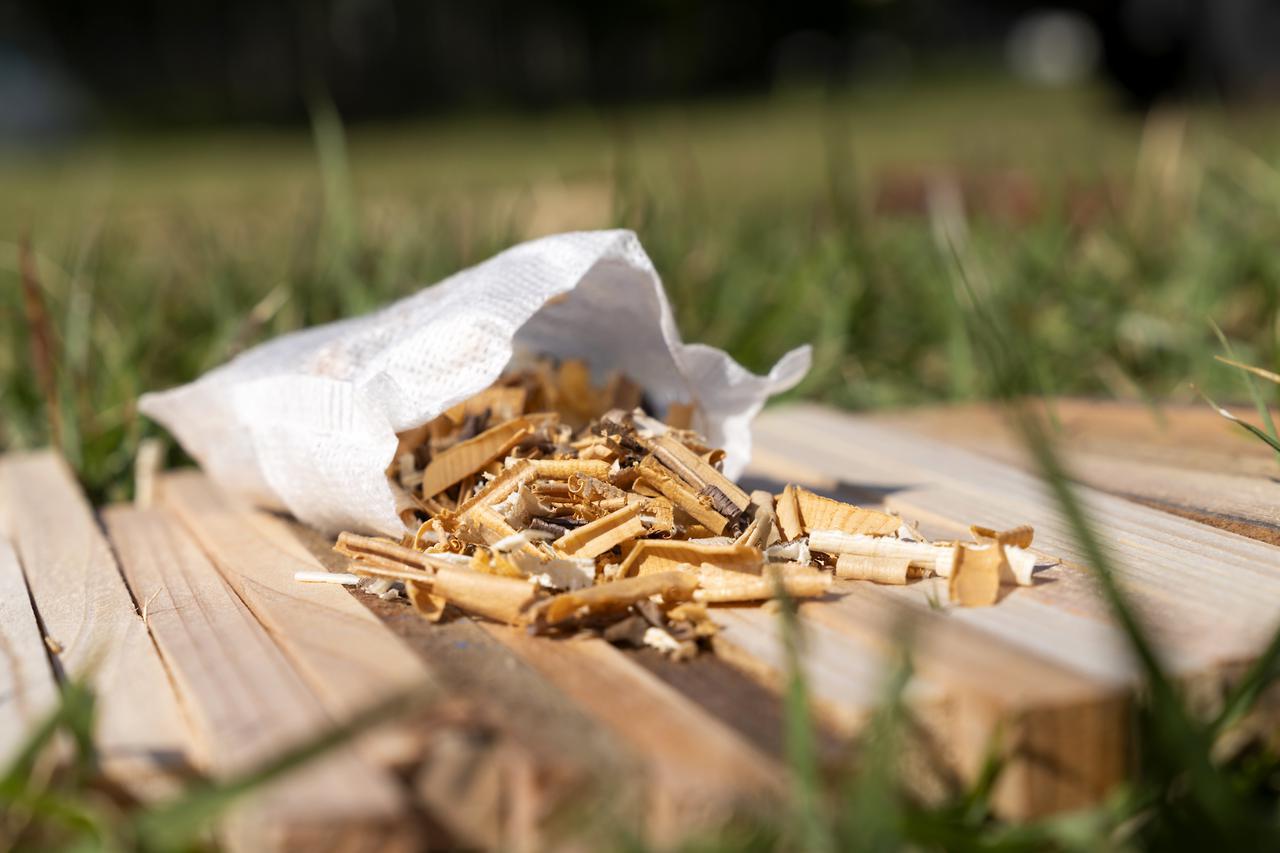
965 688
89 617
347 656
1209 596
1188 460
244 700
700 770
28 693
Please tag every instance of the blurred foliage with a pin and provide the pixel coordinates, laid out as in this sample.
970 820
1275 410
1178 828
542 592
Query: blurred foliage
946 247
1108 241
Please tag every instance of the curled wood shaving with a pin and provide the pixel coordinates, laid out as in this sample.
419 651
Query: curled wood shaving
466 458
720 586
888 570
975 579
658 555
616 596
550 501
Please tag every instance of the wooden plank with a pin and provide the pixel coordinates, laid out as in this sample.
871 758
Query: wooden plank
1189 461
87 613
965 688
1047 663
244 700
580 763
698 769
349 658
28 692
1208 596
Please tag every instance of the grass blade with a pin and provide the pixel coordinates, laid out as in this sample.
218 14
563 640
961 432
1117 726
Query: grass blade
1261 674
178 824
1259 402
1256 371
1270 440
808 825
44 361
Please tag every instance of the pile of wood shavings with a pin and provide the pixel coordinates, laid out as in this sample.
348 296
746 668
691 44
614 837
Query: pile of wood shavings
549 502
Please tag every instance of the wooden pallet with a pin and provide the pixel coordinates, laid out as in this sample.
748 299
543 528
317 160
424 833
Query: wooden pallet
208 656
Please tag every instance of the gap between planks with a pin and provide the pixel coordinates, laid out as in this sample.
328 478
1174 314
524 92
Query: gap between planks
1208 596
28 692
95 631
347 656
245 702
698 770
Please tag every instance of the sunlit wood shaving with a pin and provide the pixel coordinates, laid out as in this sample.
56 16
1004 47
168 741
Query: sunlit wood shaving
551 501
975 579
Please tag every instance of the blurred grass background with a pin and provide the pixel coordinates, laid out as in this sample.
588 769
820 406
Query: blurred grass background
1110 240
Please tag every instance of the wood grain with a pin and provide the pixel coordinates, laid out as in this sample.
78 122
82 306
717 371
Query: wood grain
89 616
244 700
28 692
699 770
1186 460
348 658
1209 597
1046 666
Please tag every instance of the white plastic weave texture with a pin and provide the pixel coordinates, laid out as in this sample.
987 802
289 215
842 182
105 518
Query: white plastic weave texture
308 422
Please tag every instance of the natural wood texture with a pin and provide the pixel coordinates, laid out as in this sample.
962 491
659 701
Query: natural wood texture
1046 662
94 631
243 698
699 770
1183 459
580 765
344 653
28 692
1208 596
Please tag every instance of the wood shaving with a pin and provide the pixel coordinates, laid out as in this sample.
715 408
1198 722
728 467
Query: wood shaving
554 503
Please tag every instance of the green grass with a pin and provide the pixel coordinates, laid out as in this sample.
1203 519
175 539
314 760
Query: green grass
161 257
155 258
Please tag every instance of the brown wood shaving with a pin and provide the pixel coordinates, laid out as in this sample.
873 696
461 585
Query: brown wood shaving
551 502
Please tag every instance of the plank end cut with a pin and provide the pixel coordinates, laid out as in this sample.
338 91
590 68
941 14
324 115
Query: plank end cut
92 627
245 701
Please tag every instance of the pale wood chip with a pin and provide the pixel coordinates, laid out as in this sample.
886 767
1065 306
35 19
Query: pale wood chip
615 596
819 513
464 459
975 579
502 599
922 555
886 570
693 470
720 586
659 477
1019 536
603 534
660 555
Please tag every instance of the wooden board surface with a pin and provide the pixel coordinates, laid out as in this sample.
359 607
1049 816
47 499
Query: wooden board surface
1209 596
699 770
603 721
87 613
244 700
1048 652
28 692
1183 459
347 656
533 729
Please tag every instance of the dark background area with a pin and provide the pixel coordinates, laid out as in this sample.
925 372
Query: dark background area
71 64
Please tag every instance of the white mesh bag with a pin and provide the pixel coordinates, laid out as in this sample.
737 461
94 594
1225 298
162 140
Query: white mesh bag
307 422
